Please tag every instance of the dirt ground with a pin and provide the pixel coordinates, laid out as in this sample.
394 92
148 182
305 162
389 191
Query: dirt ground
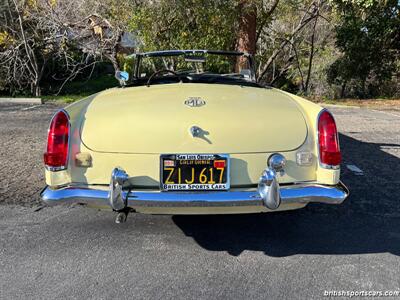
380 104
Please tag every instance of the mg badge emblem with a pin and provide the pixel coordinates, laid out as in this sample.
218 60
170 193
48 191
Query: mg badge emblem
195 102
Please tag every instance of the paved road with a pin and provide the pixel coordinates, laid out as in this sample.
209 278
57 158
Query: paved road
73 252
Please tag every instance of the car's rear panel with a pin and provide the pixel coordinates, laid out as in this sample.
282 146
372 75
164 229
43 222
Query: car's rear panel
92 160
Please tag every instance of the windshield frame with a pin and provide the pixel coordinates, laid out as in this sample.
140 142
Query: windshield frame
169 53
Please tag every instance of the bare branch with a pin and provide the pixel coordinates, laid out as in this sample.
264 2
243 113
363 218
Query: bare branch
308 16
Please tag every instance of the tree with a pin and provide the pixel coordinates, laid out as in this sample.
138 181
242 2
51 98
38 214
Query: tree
246 37
368 36
185 24
68 33
36 37
101 29
25 49
253 16
286 39
309 47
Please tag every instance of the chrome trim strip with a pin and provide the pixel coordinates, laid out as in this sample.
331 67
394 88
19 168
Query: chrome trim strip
296 193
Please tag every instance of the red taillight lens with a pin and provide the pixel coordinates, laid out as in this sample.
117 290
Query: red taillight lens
57 141
329 151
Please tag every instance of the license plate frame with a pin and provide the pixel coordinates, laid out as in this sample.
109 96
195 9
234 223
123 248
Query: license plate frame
196 185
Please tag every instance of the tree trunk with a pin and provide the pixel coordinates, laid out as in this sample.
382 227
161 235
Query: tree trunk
112 57
343 91
115 64
246 38
364 93
35 89
38 91
113 54
311 57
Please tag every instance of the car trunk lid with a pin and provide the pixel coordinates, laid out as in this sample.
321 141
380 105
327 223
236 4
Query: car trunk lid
155 119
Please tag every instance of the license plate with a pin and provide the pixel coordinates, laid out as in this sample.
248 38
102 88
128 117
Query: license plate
194 172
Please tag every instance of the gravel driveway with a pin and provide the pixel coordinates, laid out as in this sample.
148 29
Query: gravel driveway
73 252
23 131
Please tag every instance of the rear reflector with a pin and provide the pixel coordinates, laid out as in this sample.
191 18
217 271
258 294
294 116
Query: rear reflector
57 142
329 151
219 164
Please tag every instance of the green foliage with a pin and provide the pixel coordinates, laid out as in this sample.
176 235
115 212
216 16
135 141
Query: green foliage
188 24
361 4
368 36
182 24
69 98
91 86
78 89
127 64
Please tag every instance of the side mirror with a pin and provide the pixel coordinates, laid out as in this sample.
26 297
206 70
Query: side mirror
122 76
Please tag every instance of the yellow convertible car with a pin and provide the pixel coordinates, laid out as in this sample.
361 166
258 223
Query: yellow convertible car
192 132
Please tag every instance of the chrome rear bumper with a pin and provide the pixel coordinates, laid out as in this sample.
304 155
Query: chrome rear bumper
289 194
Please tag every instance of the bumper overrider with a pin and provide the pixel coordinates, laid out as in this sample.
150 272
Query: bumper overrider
269 194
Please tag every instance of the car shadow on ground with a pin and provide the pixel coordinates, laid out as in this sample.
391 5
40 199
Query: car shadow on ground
368 222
